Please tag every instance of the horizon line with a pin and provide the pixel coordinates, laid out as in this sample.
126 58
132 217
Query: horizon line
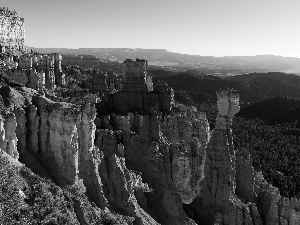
223 56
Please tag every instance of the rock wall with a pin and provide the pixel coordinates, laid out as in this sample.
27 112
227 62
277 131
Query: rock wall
8 138
143 156
57 139
157 167
59 75
123 102
218 203
97 82
168 150
19 76
27 77
34 71
12 30
135 75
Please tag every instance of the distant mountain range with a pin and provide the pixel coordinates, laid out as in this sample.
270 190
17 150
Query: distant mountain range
228 65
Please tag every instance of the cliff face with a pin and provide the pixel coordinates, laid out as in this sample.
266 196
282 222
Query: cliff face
60 136
168 150
8 138
12 30
156 168
132 148
218 203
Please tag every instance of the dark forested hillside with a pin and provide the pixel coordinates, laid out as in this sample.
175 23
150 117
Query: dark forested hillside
255 87
259 86
274 150
274 110
270 130
194 89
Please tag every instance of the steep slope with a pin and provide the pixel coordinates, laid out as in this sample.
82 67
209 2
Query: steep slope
29 199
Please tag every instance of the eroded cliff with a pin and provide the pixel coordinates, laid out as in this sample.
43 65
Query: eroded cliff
129 146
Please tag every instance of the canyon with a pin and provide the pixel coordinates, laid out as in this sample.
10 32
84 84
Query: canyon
138 152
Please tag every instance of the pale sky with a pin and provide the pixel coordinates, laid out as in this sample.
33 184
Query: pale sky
200 27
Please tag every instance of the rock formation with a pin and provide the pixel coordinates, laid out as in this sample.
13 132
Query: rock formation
135 75
136 151
12 31
96 82
20 65
8 140
137 92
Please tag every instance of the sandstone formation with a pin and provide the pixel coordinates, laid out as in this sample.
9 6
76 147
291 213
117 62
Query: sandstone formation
96 82
22 66
168 150
136 151
12 33
218 203
8 140
135 75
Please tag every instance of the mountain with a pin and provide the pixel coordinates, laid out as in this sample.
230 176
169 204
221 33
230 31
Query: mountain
214 65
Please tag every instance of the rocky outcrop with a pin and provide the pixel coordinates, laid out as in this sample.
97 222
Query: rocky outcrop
29 78
28 69
168 150
19 76
218 203
13 119
144 156
96 82
114 82
12 30
135 75
60 78
120 184
8 138
273 208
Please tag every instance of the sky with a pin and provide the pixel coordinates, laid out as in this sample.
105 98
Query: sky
198 27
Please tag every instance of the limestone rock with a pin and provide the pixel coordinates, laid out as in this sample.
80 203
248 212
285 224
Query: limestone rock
120 183
12 30
21 130
170 152
255 215
8 138
244 176
228 106
135 75
58 139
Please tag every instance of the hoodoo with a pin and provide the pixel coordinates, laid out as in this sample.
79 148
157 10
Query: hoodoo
120 147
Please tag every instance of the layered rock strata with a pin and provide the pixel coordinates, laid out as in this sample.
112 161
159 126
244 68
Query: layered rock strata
96 82
137 93
135 75
8 138
168 150
12 30
24 67
143 156
218 203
